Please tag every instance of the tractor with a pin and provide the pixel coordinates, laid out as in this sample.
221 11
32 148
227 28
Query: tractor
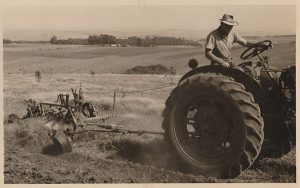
218 120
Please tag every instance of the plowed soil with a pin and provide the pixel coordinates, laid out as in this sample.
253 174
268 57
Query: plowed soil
31 157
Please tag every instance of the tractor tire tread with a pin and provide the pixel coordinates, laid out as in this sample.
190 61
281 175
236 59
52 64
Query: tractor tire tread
253 121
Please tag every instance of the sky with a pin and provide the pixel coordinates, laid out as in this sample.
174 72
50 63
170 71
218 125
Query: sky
189 21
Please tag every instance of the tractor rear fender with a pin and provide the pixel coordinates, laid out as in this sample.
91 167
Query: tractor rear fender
250 83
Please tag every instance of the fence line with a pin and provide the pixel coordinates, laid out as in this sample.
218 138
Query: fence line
150 89
138 91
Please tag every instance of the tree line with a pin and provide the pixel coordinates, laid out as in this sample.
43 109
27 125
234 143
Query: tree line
105 39
75 41
6 41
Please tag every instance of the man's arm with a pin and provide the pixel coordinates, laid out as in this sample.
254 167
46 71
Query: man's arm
250 44
245 43
209 55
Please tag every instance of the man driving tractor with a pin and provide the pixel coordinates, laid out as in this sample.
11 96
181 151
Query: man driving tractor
221 117
220 41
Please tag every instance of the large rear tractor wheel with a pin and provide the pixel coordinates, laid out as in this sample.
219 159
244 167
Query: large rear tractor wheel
213 125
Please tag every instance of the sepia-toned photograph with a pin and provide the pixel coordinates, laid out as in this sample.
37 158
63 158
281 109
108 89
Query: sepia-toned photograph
149 92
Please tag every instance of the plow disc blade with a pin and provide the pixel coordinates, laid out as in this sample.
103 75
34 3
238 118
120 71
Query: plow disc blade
61 141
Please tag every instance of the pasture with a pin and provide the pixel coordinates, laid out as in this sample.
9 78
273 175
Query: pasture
28 58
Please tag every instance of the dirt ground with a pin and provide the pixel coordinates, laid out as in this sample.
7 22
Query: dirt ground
31 157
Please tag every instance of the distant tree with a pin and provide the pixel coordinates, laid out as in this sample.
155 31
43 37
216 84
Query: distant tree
38 75
139 42
93 39
53 40
132 41
108 39
146 42
6 41
92 73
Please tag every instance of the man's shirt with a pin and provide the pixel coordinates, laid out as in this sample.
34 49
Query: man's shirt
221 46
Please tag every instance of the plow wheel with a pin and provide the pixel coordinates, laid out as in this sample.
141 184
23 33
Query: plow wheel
61 141
213 125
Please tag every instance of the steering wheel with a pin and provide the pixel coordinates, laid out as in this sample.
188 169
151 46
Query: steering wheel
256 49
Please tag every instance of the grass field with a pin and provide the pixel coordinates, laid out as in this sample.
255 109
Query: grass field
108 158
81 59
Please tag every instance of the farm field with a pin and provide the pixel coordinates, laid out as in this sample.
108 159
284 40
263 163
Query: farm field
109 157
28 58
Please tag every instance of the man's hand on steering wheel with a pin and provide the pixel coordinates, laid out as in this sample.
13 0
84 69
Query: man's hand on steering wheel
263 45
256 49
271 46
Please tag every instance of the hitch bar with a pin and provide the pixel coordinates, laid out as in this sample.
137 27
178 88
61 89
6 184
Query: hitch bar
124 131
115 129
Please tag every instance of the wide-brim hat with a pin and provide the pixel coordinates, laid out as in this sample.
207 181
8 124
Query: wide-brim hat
228 19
